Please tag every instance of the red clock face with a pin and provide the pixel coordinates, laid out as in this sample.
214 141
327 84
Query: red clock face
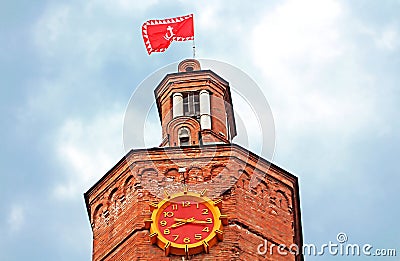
185 220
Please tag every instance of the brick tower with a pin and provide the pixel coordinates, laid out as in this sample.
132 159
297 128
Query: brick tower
197 196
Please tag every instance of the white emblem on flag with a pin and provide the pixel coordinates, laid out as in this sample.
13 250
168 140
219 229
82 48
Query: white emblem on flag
171 33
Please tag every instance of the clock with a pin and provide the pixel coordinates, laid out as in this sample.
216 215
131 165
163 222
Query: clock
186 223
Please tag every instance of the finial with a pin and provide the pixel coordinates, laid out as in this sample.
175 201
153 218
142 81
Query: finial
189 65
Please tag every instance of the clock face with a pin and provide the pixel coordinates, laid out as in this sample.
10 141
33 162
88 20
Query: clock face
185 220
186 223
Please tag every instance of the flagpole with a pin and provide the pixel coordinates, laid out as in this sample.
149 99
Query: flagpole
194 49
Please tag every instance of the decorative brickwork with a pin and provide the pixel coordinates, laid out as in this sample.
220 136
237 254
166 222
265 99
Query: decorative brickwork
260 198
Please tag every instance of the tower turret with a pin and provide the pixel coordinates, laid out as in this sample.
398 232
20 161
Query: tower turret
195 107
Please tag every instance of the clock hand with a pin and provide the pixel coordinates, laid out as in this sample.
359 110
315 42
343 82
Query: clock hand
192 220
177 224
200 222
180 219
183 222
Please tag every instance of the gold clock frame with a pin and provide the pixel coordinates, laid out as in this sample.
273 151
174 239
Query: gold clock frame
156 237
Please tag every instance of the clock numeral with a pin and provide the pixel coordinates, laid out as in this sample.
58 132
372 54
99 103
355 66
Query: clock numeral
197 205
206 229
197 236
185 204
174 206
186 240
205 211
209 220
167 231
175 237
168 214
163 223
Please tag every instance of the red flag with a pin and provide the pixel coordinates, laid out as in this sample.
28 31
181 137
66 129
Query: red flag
158 34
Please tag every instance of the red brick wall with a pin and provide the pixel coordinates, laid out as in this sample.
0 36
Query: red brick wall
218 113
261 201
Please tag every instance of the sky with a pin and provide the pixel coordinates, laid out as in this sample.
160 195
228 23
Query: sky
329 70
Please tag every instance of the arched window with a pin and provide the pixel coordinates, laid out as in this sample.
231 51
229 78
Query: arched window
184 136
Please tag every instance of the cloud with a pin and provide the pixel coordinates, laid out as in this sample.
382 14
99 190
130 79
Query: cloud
297 34
87 150
325 98
331 81
310 69
51 28
389 39
87 35
16 218
122 6
386 38
208 15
